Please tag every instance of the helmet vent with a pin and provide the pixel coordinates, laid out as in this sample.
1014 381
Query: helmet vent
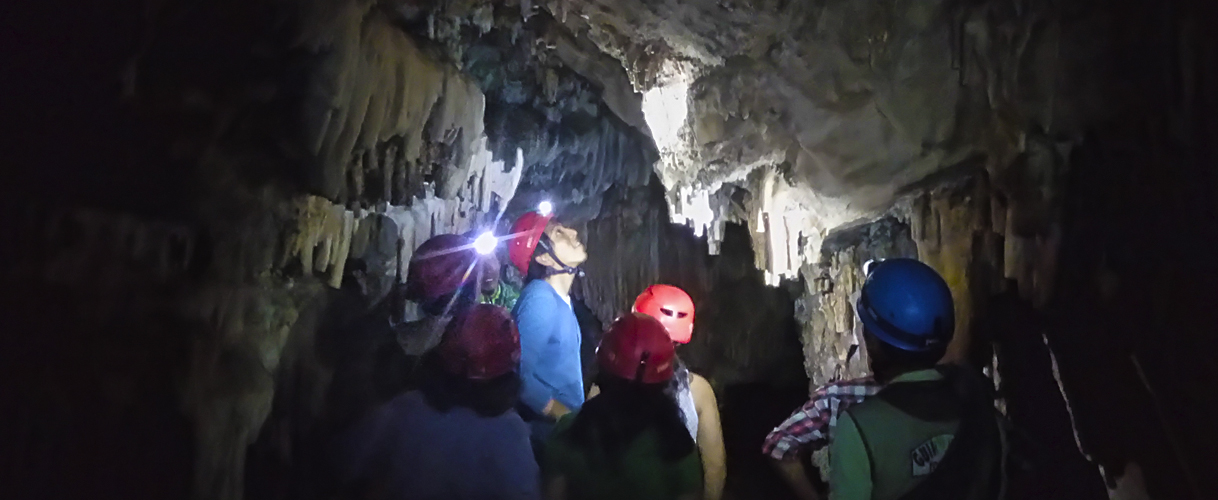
642 365
673 314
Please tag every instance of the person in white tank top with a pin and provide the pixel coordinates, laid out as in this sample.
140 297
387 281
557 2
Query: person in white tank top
685 397
694 395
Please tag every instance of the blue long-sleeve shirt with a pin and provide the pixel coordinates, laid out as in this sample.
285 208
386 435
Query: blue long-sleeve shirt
549 348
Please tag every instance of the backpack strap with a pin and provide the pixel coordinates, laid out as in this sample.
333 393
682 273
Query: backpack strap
978 442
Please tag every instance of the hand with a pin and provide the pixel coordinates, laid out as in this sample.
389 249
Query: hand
796 476
555 410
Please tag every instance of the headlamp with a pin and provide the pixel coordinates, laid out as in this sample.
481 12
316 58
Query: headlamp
485 243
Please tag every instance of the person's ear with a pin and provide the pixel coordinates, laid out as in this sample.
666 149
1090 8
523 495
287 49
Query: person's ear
546 260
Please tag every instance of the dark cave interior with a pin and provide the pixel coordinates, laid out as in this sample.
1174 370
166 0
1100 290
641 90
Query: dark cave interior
192 184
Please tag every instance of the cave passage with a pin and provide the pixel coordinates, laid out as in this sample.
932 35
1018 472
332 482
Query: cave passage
211 211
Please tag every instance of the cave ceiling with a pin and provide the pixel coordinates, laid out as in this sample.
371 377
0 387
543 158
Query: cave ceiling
823 111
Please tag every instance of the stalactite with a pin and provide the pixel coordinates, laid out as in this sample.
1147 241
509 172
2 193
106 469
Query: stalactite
372 85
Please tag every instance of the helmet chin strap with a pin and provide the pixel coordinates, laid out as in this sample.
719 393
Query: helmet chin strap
563 268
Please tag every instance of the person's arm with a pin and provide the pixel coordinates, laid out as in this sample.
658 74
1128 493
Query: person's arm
850 477
710 438
534 318
687 477
808 428
786 442
796 476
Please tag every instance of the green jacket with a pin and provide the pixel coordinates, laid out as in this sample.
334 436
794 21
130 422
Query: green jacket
504 296
640 474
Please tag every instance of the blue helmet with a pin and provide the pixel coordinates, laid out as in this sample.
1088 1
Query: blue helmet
907 305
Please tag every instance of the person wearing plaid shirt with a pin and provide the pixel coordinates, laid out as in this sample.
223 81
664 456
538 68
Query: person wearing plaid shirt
933 431
808 429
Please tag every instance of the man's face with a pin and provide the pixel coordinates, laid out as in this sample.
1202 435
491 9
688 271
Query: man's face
488 279
566 245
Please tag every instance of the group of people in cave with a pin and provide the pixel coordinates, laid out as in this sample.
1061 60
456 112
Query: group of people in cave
497 405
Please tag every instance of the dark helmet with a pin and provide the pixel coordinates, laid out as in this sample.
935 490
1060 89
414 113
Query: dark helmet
637 348
480 343
439 267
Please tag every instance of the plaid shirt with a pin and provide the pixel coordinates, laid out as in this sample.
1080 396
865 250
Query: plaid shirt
808 428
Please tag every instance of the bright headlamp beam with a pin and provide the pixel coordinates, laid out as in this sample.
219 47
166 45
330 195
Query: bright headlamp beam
485 243
545 208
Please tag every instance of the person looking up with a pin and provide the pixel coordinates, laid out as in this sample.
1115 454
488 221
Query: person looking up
547 253
629 442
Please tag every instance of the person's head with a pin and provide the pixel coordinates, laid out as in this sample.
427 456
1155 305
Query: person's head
907 314
672 307
636 348
475 364
485 245
636 363
542 247
488 278
439 278
560 247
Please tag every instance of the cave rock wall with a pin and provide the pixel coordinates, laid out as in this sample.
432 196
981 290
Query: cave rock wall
255 158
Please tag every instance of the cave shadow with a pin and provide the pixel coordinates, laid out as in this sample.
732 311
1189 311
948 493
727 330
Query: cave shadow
747 344
749 411
89 399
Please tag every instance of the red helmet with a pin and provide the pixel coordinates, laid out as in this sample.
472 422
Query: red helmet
480 343
439 267
526 233
637 347
672 306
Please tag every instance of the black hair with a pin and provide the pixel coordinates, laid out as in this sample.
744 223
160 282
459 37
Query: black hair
888 361
445 391
621 412
538 271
